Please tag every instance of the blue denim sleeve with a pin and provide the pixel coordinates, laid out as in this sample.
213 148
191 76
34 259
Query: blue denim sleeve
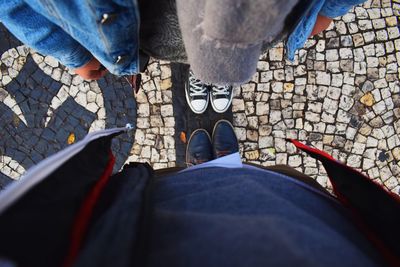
299 36
337 8
41 34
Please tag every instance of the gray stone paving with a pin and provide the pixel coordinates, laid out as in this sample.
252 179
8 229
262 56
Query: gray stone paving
341 94
154 139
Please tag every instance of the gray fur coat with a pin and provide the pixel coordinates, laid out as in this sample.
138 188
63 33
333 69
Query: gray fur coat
222 40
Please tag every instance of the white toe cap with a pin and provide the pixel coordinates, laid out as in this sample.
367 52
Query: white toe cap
199 105
221 104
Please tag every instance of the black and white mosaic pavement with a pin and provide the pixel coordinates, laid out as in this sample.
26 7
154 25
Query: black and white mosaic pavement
44 108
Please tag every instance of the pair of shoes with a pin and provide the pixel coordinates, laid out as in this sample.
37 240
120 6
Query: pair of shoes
199 94
201 148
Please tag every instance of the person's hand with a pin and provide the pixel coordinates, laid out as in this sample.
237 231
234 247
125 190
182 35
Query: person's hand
91 70
321 24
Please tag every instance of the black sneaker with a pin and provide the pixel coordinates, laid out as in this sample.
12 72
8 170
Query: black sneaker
199 149
197 95
221 98
224 140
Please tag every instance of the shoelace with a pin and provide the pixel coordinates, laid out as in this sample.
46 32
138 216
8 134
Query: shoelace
223 153
196 87
221 90
196 161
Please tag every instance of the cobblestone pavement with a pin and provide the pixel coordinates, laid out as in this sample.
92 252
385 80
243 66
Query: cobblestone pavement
341 94
44 108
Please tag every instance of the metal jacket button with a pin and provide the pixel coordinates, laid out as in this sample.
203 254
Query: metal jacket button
119 60
107 18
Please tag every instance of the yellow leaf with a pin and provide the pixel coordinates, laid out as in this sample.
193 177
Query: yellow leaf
71 139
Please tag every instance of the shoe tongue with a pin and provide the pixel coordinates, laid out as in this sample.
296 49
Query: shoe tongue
220 89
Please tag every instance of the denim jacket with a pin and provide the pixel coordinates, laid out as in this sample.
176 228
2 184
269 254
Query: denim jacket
73 31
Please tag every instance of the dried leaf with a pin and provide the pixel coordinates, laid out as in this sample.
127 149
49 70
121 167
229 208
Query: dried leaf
182 136
71 139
